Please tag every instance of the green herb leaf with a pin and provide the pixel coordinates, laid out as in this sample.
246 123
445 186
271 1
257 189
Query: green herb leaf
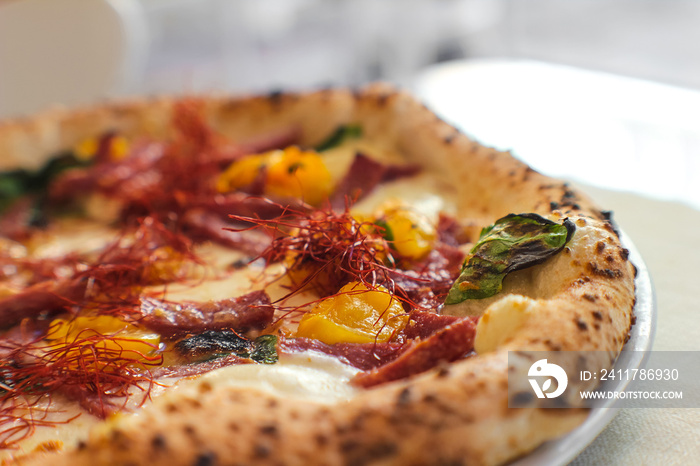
18 183
514 242
387 233
265 350
342 134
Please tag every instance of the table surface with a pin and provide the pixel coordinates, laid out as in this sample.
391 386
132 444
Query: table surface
657 214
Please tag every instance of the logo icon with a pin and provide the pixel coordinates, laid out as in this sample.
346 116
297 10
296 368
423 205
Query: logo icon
542 368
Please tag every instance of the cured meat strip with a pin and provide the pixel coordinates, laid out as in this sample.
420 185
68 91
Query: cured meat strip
250 311
43 297
363 176
16 221
93 403
364 356
240 204
446 345
201 225
190 370
423 324
275 140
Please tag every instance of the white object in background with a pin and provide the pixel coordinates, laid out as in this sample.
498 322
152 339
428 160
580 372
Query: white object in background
68 52
611 131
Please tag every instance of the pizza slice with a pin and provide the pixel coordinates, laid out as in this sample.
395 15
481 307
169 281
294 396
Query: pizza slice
318 278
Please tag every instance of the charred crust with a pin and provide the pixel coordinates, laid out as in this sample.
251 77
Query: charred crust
262 451
449 139
158 442
346 446
522 398
404 397
189 430
269 429
597 315
172 408
443 371
553 205
593 268
589 297
582 281
581 324
275 97
205 459
321 440
599 247
624 254
381 449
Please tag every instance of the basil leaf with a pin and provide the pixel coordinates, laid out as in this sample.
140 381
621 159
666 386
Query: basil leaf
387 233
339 136
514 242
265 350
18 183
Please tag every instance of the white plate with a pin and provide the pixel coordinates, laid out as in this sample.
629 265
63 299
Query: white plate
562 451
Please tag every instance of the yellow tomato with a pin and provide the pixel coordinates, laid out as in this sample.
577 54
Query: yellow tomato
357 314
411 233
241 173
289 173
296 173
118 148
121 338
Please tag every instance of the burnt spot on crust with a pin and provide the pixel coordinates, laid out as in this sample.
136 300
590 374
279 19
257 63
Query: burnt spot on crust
346 446
404 397
553 206
581 324
270 430
599 247
158 442
624 254
443 371
382 99
189 431
172 408
262 451
205 459
449 139
582 281
597 315
593 268
321 440
527 172
275 96
589 297
609 258
361 454
522 398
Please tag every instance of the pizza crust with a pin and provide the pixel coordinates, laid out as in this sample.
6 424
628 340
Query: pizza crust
455 414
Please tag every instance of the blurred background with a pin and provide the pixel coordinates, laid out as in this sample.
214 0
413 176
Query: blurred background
609 81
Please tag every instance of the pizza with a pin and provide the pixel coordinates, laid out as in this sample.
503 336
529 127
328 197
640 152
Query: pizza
330 277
